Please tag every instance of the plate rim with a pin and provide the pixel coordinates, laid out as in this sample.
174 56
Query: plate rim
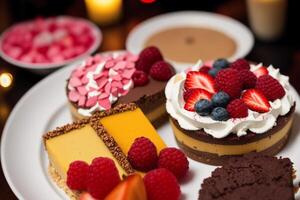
96 31
151 22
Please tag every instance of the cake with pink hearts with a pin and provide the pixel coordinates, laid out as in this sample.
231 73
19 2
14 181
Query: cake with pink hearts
103 81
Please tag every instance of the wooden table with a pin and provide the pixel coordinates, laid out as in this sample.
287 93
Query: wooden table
284 54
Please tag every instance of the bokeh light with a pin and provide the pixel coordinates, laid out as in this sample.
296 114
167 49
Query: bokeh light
6 79
147 1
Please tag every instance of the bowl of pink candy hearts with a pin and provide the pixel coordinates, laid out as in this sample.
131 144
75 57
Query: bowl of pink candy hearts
44 44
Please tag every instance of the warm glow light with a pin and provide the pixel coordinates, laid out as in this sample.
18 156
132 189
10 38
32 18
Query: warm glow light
104 12
6 79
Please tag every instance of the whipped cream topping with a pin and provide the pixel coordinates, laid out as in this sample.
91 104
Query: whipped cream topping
99 81
256 122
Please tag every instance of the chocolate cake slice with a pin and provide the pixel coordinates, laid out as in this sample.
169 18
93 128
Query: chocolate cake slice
252 177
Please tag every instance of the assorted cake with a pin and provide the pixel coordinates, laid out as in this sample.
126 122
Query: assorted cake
103 81
220 109
254 176
89 158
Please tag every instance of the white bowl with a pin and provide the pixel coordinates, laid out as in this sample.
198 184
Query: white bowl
44 68
237 31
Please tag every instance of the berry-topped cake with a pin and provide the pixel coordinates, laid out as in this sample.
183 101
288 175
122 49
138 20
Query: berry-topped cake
220 109
103 81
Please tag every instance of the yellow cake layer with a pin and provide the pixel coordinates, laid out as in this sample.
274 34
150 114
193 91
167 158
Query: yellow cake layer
220 149
127 126
79 144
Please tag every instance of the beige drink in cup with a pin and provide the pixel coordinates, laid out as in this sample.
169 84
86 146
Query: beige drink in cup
267 18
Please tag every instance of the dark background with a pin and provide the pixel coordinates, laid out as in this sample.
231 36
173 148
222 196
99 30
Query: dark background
283 53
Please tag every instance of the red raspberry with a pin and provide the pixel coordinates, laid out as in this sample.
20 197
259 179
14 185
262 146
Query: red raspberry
161 71
248 79
76 175
174 160
204 69
240 64
237 109
270 87
102 177
187 93
147 58
142 154
140 78
228 80
161 184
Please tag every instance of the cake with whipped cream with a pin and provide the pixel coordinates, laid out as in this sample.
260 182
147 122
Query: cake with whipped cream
220 109
104 80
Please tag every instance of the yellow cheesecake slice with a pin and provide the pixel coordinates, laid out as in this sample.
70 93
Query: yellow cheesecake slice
125 127
106 134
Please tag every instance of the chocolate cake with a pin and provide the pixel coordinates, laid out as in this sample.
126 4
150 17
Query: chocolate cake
252 177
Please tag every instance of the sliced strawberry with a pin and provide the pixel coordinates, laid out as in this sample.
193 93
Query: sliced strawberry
256 101
201 80
195 96
261 71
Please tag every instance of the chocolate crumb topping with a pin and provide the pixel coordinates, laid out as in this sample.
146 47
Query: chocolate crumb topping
252 177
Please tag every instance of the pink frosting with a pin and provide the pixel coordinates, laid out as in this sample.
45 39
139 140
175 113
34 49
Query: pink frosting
101 79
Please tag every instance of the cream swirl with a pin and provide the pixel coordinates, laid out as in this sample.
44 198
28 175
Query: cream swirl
256 122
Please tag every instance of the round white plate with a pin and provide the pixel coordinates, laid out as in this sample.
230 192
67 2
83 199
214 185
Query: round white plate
237 31
48 67
44 107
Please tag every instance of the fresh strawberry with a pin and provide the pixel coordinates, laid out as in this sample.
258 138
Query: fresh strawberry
195 96
187 93
199 80
261 71
256 100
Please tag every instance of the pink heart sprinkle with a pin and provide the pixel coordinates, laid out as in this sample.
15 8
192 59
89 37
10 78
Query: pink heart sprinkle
117 78
120 65
102 82
104 103
103 96
109 64
84 80
81 101
130 65
114 91
97 58
82 91
75 82
73 96
131 57
116 84
128 73
91 101
79 73
125 81
107 88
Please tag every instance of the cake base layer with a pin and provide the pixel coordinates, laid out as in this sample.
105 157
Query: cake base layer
216 153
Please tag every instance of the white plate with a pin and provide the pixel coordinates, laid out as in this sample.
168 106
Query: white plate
237 31
43 68
44 107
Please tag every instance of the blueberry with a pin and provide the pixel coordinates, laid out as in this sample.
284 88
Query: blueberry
220 99
203 107
213 72
221 63
219 114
